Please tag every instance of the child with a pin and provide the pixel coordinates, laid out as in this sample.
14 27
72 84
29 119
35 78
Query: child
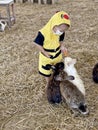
49 41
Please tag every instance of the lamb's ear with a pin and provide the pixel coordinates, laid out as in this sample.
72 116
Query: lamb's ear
70 77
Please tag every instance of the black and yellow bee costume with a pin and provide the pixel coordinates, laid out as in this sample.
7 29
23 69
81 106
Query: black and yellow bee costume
51 42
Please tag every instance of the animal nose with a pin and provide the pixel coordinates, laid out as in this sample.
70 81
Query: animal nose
83 109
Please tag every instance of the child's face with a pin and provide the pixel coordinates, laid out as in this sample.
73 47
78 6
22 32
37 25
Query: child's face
62 28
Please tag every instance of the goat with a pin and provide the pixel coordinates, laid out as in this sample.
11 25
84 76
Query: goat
95 73
73 90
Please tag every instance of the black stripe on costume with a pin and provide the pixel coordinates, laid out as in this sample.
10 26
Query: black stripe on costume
52 57
47 67
57 54
52 50
44 74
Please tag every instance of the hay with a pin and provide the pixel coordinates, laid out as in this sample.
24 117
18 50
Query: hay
23 102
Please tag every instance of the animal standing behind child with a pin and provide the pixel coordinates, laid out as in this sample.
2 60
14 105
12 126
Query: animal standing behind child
73 91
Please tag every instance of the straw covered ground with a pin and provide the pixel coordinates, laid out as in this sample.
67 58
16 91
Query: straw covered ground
23 102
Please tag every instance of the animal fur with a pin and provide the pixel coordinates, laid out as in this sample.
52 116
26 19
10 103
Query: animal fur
73 91
3 24
71 70
53 87
95 73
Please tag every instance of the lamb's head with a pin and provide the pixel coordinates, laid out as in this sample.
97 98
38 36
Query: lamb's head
56 68
59 67
68 61
69 67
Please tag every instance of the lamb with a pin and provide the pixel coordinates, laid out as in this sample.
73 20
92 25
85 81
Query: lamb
73 91
95 73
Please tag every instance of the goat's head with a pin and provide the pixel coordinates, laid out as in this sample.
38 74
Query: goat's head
56 68
68 61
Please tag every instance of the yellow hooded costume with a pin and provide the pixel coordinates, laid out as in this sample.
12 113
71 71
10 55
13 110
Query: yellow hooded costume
51 42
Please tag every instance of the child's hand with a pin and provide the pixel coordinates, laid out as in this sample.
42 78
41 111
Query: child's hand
47 54
64 50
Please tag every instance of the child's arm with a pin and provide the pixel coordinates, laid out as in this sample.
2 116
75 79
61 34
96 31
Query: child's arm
39 43
40 48
63 49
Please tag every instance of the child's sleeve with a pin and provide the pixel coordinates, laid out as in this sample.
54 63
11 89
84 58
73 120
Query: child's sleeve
39 39
62 37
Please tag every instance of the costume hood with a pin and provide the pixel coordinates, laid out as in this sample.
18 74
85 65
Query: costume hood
57 19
